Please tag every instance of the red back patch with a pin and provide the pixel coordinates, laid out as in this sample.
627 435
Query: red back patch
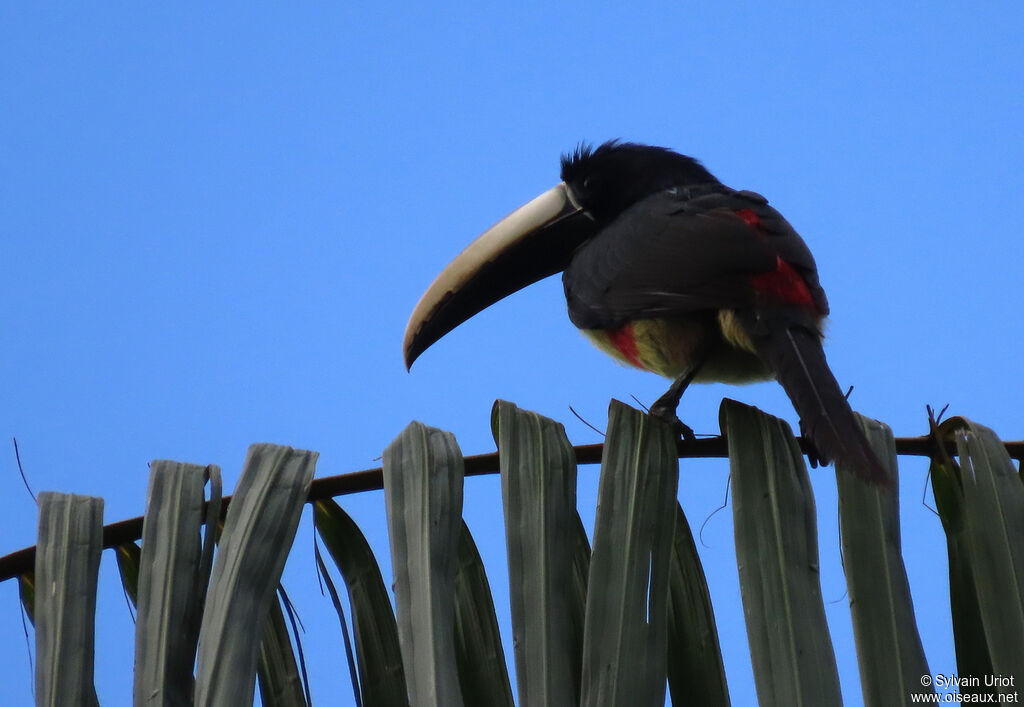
783 284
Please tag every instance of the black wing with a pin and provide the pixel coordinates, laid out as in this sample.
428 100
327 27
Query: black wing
670 254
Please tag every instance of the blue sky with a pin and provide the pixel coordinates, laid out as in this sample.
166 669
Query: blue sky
216 221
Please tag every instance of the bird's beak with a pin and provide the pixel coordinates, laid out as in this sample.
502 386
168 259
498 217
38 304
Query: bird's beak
534 241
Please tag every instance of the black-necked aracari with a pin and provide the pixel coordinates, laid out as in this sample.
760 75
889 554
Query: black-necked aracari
668 270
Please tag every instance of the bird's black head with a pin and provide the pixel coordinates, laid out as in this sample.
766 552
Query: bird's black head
540 238
608 179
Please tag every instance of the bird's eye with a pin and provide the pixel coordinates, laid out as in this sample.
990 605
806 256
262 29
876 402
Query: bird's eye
586 182
672 190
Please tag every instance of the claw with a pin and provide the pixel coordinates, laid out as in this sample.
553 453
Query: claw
664 413
813 455
665 406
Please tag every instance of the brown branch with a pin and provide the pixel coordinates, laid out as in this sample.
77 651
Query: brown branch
126 531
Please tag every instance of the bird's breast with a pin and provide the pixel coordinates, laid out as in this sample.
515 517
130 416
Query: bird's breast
672 346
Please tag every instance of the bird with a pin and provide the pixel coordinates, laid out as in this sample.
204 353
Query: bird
668 270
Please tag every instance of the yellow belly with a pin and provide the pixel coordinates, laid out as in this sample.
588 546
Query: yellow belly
671 347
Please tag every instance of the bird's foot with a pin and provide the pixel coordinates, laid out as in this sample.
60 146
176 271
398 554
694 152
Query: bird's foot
815 457
665 406
669 415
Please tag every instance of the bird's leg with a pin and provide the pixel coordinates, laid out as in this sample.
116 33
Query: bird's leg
665 406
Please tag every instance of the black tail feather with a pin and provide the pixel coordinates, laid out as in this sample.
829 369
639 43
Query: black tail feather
798 360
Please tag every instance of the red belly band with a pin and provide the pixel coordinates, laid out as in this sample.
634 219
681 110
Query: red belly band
624 341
